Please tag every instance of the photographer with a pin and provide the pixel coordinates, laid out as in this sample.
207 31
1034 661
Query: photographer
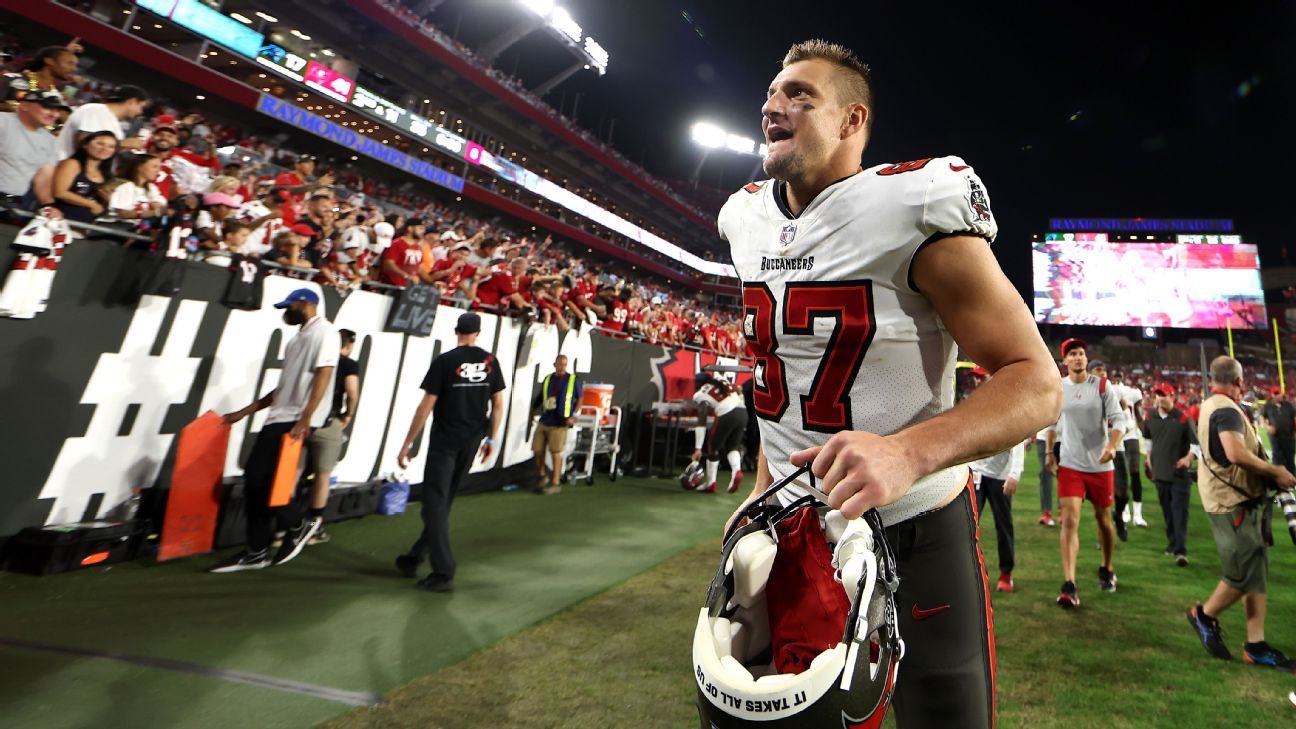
1233 478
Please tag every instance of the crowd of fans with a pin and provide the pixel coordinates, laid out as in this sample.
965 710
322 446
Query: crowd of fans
405 13
187 187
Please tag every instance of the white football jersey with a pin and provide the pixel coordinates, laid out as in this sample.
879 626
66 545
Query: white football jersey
721 400
842 338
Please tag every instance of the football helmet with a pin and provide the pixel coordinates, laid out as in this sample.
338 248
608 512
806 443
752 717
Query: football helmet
693 476
848 685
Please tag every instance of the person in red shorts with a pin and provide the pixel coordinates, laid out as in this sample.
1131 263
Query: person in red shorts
1090 430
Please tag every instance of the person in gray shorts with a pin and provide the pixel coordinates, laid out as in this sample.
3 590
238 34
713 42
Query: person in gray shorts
1233 478
325 443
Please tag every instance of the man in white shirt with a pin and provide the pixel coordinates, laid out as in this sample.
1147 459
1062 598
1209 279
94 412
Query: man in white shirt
996 479
1129 510
265 219
310 359
124 104
1090 430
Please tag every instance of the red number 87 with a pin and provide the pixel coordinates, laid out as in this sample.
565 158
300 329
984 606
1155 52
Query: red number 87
827 407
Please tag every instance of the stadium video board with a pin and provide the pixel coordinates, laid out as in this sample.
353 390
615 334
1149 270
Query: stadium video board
1085 278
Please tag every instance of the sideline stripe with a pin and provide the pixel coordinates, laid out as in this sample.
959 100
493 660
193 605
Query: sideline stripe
350 698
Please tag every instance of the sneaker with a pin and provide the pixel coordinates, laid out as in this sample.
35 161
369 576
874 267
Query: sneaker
735 482
551 490
320 537
1122 533
1125 515
296 538
1139 522
1047 519
1005 583
244 560
1263 654
436 583
1181 560
708 489
1106 580
1208 631
407 566
1069 597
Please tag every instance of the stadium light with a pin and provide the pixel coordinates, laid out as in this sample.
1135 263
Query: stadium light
539 7
709 135
562 21
739 144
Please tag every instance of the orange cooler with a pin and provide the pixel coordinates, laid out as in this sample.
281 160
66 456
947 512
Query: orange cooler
598 395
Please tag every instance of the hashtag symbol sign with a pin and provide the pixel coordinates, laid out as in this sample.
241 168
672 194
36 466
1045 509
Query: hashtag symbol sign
104 460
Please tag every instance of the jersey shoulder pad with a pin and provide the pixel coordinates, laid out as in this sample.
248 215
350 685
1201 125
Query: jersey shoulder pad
956 201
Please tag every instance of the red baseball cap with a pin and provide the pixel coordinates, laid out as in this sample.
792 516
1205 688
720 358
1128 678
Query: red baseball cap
1072 343
1163 388
304 229
1275 390
164 121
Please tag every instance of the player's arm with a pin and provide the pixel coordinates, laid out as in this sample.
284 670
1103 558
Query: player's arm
351 386
1114 434
421 414
763 481
497 412
320 383
261 404
990 323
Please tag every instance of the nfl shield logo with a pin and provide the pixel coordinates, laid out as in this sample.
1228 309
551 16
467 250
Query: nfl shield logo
787 234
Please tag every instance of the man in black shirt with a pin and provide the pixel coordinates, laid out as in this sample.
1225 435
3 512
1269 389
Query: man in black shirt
459 386
325 443
1280 421
1171 435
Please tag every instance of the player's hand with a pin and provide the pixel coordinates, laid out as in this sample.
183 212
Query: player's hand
1010 487
571 422
403 458
1050 462
300 430
1272 430
1108 453
696 455
326 180
486 449
1184 462
859 471
75 46
229 419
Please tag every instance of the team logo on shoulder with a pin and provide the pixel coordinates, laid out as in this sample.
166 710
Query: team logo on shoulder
787 234
753 187
978 202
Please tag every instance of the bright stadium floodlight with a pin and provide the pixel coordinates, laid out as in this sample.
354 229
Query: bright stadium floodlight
709 135
739 144
562 21
763 150
596 52
539 7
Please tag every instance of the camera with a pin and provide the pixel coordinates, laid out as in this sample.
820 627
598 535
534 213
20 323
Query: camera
1288 503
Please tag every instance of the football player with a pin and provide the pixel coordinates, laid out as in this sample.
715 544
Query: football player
858 284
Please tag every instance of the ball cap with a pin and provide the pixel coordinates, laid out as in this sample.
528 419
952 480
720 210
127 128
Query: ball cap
1275 390
1072 343
219 198
1163 388
304 229
48 98
1095 364
469 323
298 295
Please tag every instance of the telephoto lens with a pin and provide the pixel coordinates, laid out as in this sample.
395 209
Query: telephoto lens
1288 503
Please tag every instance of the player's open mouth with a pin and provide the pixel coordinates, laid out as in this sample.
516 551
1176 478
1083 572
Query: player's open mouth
777 134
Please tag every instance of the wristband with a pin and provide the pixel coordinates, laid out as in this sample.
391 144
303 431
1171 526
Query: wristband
489 441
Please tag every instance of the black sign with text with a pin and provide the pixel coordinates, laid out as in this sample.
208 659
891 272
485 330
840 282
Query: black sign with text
415 310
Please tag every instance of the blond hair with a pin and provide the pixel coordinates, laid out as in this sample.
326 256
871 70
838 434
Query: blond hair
854 80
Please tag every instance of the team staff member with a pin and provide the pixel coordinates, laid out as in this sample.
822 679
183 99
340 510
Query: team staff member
878 276
459 387
1280 421
996 481
1232 478
310 359
1172 436
325 444
561 395
1090 431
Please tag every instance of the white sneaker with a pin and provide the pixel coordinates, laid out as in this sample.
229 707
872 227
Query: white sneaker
1139 522
1127 516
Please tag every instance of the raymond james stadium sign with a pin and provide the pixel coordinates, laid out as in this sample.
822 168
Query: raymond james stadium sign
1142 225
356 142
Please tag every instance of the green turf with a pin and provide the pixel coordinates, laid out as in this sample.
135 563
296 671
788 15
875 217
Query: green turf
1127 659
338 616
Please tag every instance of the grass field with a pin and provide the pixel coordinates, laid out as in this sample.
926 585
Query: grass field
576 611
1127 659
